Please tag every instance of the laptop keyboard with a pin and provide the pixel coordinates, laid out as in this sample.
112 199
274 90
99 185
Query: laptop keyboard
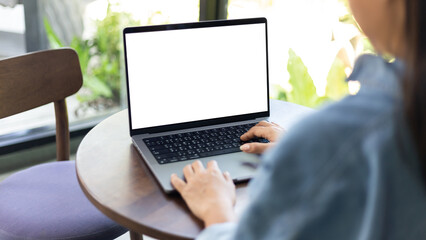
198 144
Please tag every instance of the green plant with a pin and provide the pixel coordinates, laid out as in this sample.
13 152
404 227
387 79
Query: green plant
303 90
100 59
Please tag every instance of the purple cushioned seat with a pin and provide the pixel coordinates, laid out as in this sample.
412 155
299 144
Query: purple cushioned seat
46 202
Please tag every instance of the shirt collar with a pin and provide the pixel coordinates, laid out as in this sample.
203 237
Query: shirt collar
375 73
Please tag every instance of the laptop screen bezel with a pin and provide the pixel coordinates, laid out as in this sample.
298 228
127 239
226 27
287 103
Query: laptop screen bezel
200 123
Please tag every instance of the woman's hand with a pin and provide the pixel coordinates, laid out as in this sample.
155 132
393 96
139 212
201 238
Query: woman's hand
209 193
263 129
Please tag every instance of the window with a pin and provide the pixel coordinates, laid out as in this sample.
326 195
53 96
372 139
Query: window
93 28
312 47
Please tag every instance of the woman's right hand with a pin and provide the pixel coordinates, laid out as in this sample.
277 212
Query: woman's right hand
263 129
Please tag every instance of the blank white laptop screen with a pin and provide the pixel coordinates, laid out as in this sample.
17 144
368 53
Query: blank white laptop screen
186 75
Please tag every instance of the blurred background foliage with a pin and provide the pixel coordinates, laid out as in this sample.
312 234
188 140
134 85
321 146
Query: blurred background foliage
301 88
100 59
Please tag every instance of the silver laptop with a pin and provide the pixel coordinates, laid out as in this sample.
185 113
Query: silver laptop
193 89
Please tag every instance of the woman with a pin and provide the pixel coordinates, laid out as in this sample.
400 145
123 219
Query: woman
354 170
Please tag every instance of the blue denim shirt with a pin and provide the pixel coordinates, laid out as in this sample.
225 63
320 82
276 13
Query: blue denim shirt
349 171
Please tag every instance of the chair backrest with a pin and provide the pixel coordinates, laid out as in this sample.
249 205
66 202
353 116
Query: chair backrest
39 78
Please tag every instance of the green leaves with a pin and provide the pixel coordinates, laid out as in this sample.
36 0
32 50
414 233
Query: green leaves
53 39
336 84
98 88
82 48
100 58
303 90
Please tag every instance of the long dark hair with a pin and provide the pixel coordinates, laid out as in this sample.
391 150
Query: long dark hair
415 82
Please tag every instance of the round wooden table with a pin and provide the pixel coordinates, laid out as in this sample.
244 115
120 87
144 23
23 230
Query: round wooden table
116 180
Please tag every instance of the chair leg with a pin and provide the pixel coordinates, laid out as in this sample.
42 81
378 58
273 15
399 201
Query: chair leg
135 235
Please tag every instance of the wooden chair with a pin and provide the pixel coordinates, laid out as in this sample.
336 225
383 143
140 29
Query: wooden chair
45 201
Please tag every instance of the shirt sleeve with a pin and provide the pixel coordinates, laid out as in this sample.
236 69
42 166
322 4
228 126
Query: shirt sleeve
310 186
326 178
222 231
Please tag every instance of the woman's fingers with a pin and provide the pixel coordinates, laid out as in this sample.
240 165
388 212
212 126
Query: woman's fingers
208 193
256 131
188 172
229 180
212 165
256 147
227 176
260 132
197 166
263 129
263 123
177 183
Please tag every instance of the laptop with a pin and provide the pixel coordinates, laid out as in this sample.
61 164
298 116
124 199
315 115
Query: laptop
193 89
